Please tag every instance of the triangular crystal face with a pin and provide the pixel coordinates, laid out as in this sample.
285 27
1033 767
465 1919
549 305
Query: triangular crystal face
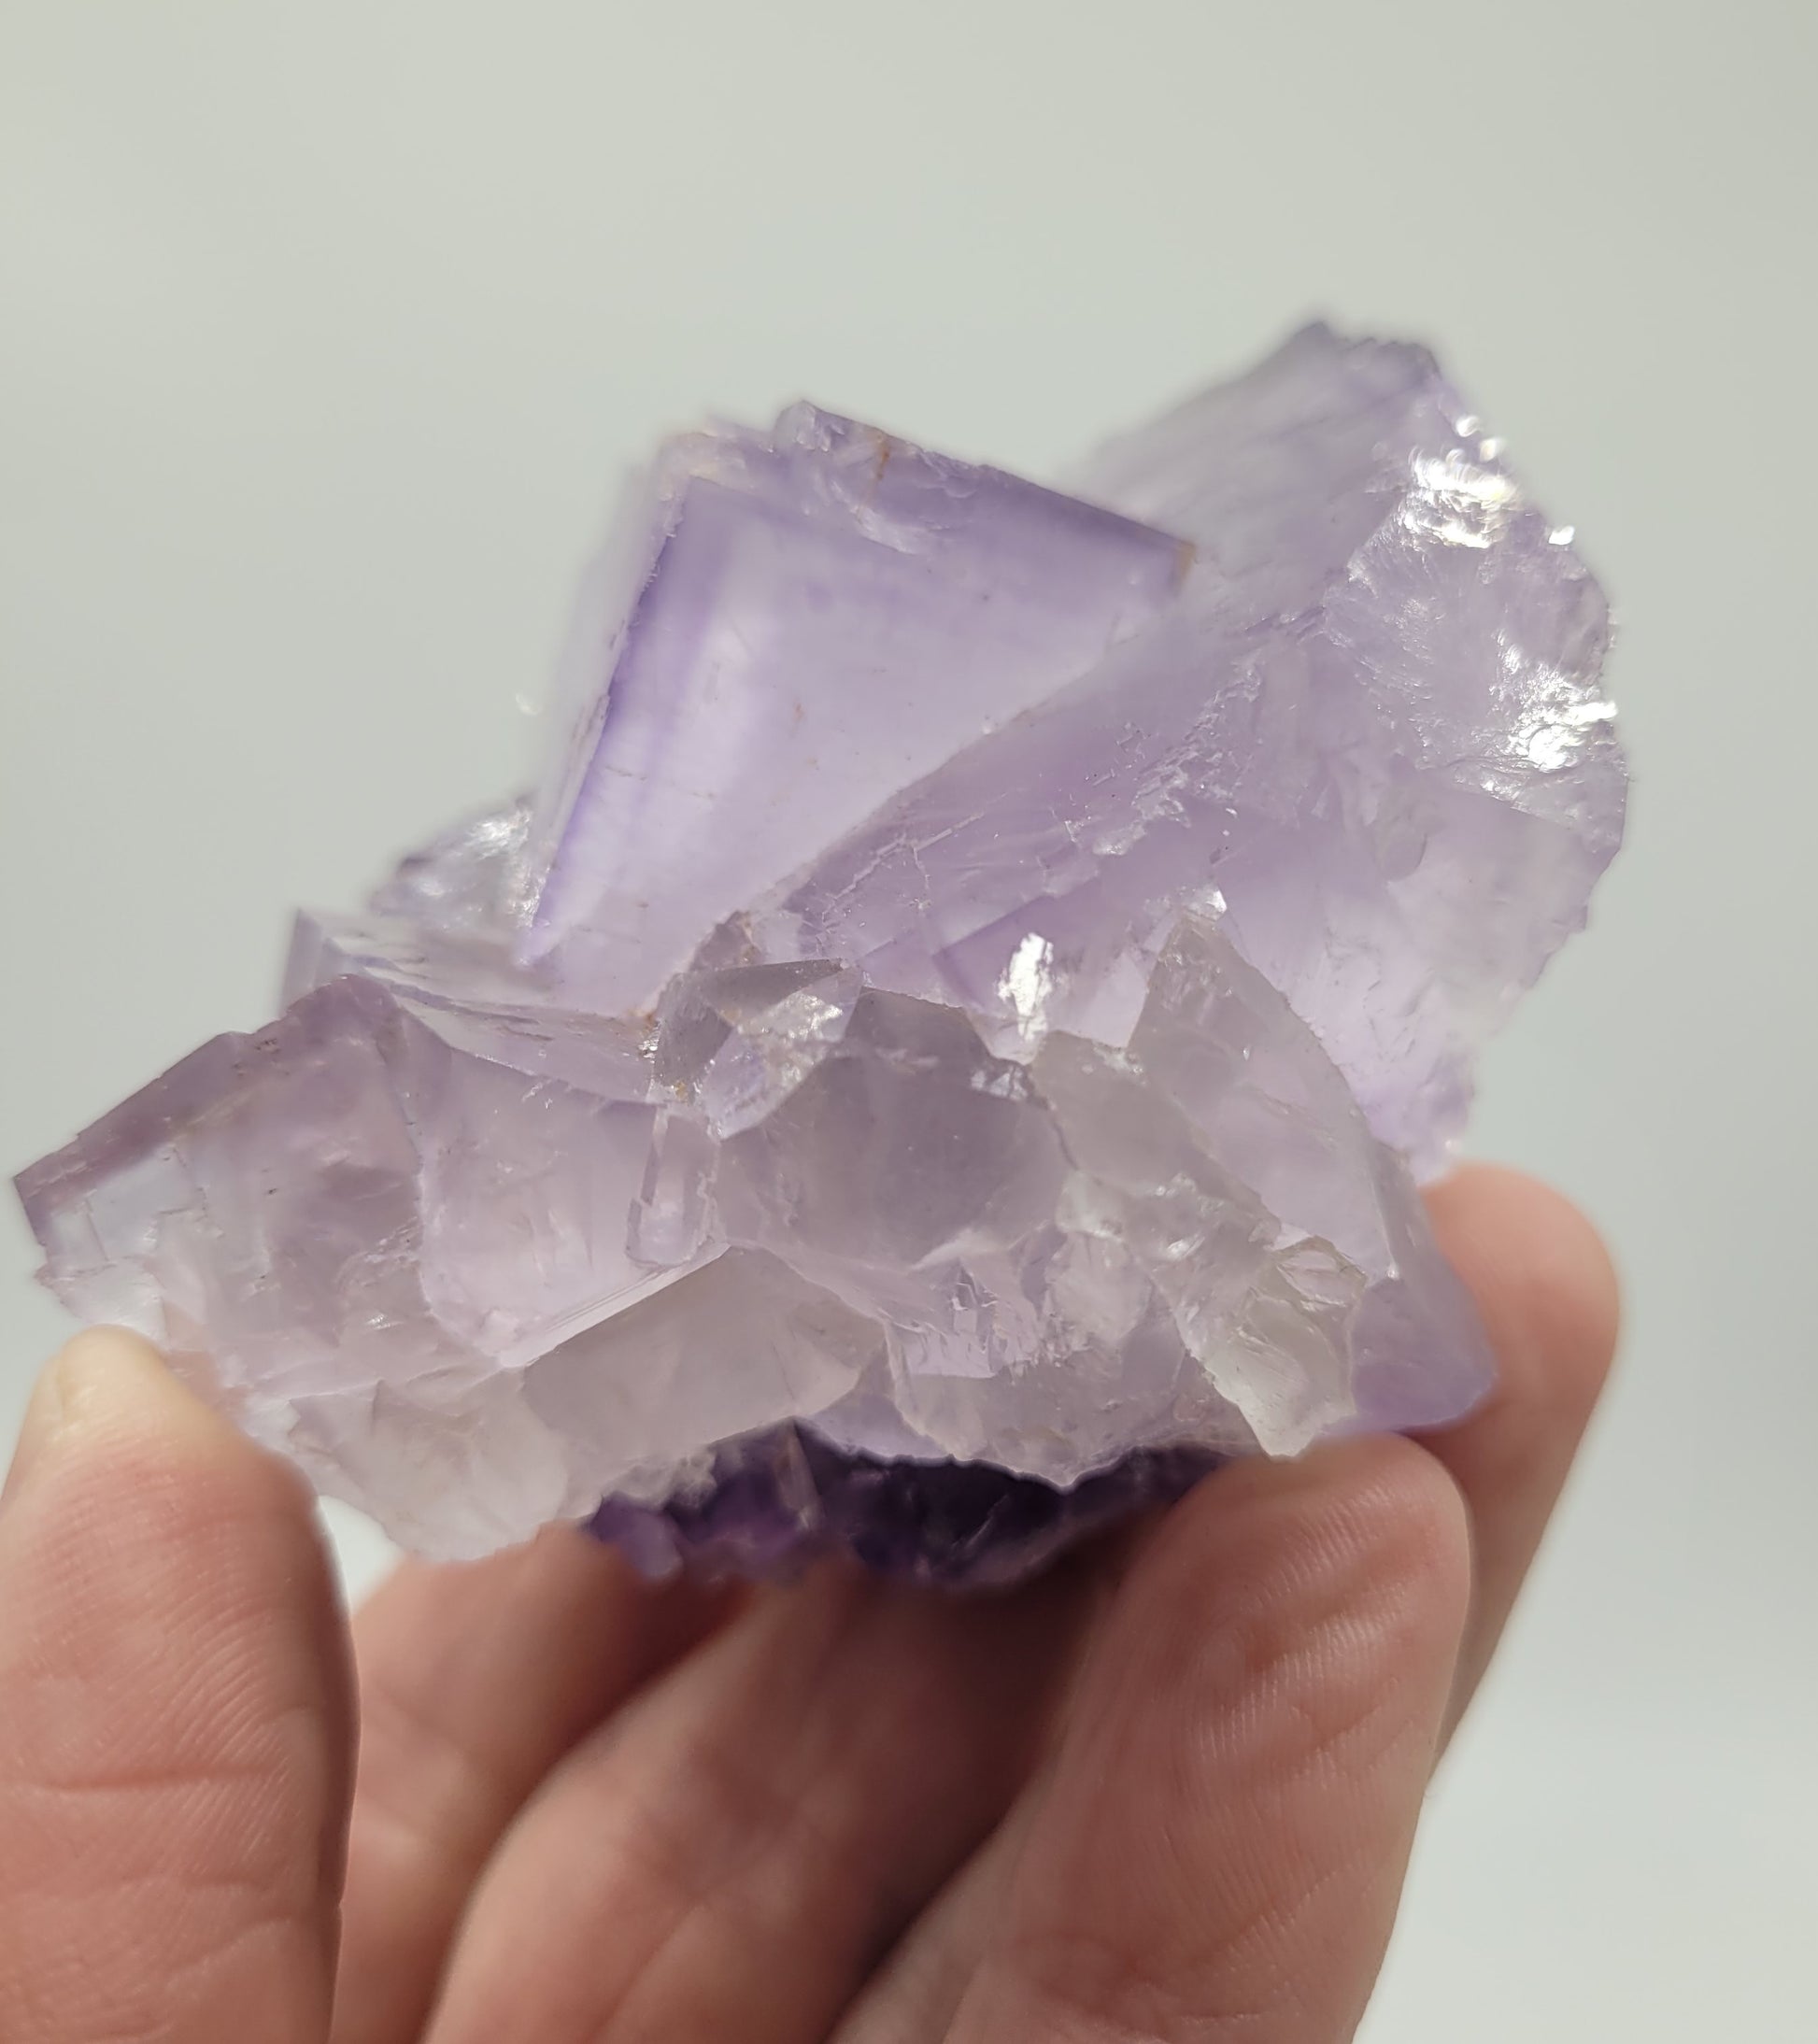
819 618
944 1051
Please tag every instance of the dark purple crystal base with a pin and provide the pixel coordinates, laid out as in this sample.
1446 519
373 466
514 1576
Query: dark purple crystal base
786 1497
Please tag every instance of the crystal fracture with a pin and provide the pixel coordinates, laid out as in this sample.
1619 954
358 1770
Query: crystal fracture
947 1047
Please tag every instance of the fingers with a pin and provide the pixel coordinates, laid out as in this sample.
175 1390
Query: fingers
732 1856
479 1679
1218 1851
174 1722
913 1996
1543 1283
474 1682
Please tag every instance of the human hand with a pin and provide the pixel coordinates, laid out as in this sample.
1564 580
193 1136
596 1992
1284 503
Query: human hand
1166 1792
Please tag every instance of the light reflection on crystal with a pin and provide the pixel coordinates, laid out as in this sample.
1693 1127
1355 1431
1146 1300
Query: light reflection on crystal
944 1053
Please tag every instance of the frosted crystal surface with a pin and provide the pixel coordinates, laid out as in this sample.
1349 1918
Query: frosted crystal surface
945 1049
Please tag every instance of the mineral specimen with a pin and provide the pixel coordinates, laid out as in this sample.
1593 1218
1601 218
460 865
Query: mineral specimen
944 1051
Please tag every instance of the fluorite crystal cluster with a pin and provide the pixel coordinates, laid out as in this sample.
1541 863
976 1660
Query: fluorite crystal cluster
947 1047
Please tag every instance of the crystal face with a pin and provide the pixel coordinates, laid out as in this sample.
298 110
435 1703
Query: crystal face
944 1051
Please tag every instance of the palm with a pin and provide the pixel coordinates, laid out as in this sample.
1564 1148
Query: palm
1166 1790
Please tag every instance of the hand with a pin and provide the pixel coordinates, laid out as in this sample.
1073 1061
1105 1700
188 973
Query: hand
1167 1792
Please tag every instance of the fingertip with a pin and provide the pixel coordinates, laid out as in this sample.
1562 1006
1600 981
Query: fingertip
1379 1500
138 1518
1352 1559
173 1711
108 1396
1222 1839
67 1390
1541 1274
1406 1519
95 1358
1547 1290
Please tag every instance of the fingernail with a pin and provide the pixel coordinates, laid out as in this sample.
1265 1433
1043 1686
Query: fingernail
104 1378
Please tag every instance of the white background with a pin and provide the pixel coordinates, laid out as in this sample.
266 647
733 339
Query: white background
327 330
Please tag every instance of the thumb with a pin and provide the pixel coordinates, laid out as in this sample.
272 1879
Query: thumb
174 1722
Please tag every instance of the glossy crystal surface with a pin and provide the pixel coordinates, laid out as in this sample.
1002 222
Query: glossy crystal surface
944 1050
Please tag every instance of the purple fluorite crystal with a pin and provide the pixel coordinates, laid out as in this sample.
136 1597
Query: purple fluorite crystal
943 1053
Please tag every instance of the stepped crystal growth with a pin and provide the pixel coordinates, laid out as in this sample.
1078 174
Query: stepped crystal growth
945 1048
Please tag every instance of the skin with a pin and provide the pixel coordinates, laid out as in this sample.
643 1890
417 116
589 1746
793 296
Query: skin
1165 1793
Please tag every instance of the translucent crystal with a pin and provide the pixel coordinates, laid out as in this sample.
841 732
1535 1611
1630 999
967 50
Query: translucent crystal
1370 728
944 1051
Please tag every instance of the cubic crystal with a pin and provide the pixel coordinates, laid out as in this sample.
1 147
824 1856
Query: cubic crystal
944 1051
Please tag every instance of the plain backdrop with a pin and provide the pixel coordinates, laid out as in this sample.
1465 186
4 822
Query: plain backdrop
329 329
